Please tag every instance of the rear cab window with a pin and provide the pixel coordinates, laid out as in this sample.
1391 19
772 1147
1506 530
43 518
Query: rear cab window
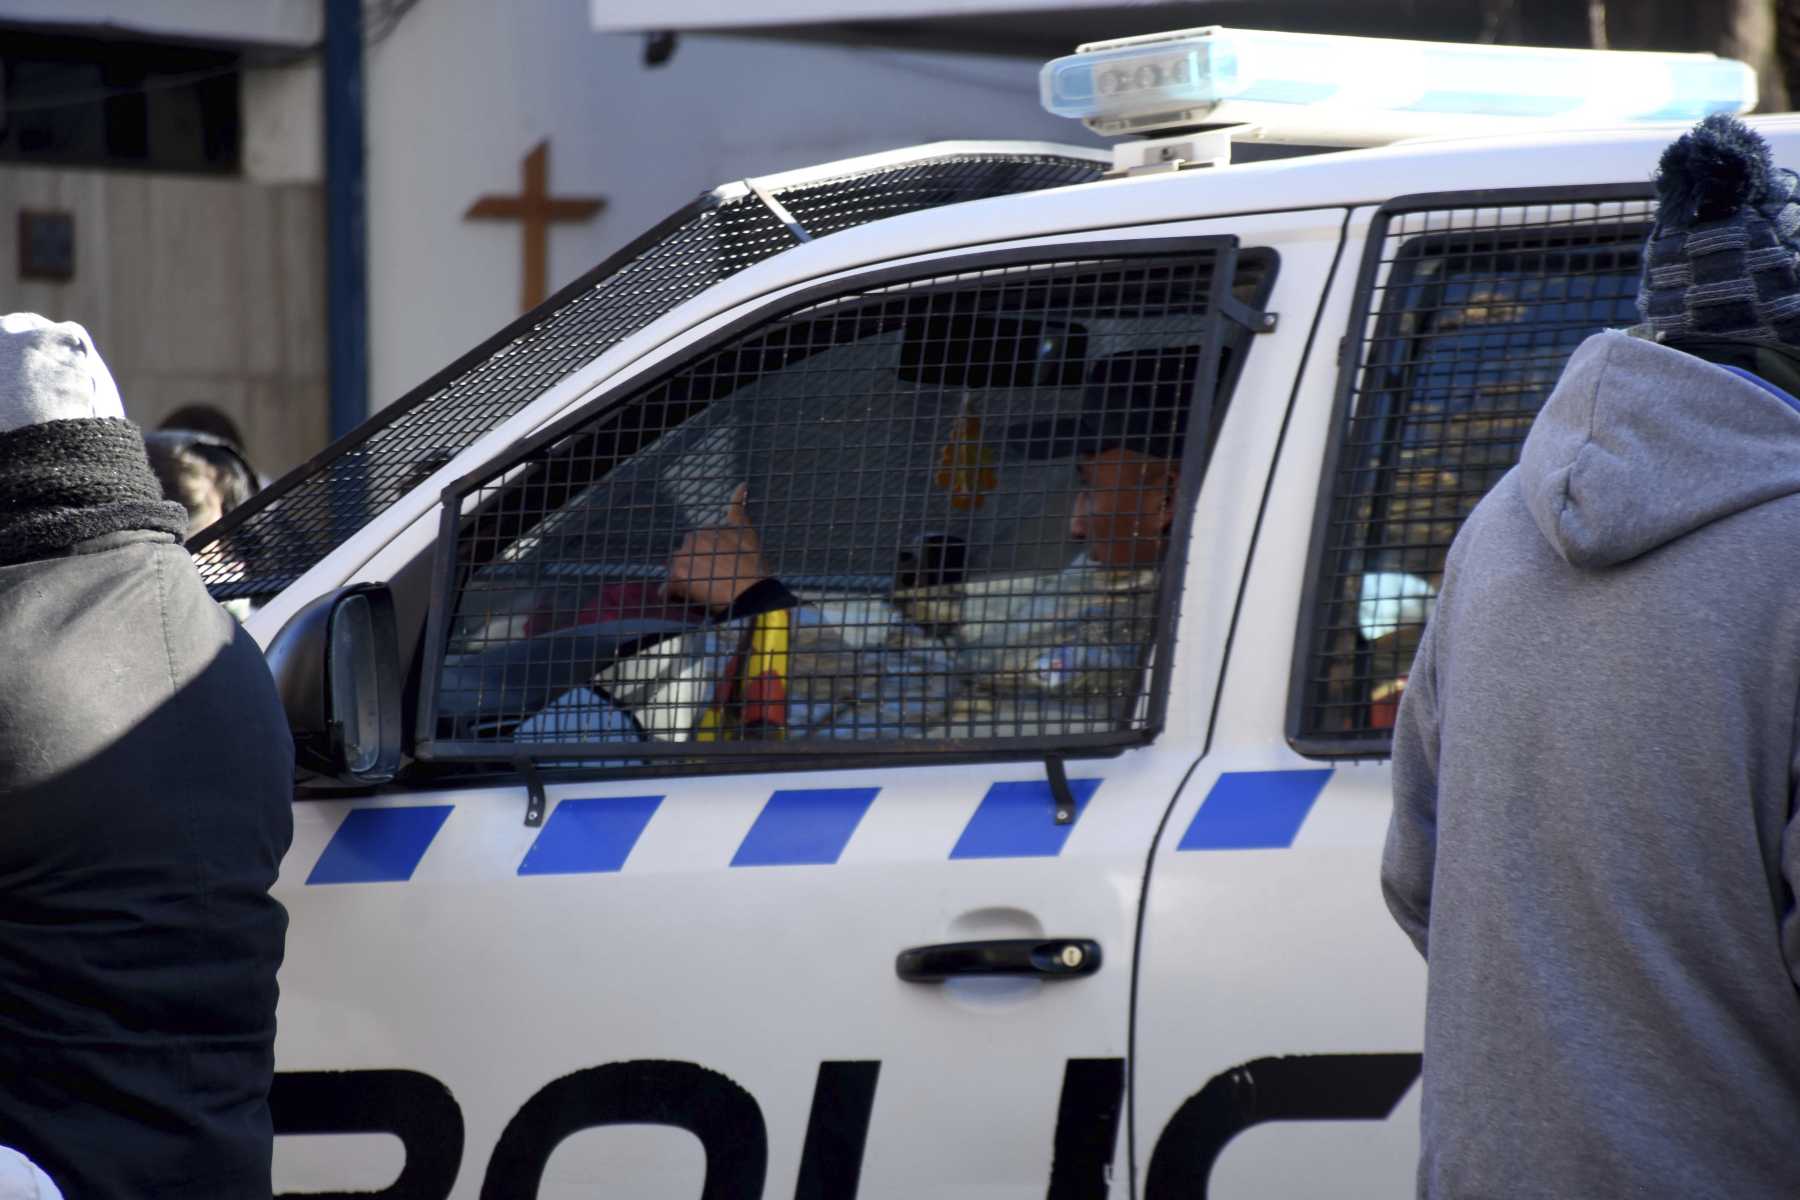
1467 309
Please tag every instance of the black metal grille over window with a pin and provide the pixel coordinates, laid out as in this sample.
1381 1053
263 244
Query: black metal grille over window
1467 309
268 543
933 514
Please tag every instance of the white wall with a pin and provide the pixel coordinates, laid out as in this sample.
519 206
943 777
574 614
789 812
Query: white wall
462 89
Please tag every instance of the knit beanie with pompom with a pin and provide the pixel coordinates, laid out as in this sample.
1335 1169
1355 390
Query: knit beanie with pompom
1721 260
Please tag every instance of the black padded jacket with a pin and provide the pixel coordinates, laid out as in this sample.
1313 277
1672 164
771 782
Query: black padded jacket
145 787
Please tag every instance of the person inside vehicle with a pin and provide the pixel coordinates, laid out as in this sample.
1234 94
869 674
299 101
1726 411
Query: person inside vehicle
1015 656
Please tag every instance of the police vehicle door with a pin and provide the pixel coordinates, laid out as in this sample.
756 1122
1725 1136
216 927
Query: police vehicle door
1264 910
638 915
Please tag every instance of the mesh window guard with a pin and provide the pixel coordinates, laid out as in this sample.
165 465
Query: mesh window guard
1467 309
266 544
930 515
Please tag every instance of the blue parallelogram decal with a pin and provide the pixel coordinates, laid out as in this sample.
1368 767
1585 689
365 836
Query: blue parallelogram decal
1254 810
379 845
1017 819
804 827
584 837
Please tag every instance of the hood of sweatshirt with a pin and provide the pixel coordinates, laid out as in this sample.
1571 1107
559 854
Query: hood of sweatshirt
1639 444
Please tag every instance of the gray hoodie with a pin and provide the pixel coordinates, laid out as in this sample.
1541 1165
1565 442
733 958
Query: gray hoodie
1594 771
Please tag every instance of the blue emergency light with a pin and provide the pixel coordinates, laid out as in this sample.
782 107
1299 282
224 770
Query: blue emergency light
1355 90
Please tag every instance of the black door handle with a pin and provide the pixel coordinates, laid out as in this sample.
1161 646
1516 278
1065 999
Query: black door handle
1043 958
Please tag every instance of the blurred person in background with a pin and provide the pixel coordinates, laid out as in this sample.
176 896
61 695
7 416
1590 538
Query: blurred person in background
202 467
204 418
203 473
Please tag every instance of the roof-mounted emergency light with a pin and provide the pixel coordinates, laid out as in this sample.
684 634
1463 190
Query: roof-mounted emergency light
1317 90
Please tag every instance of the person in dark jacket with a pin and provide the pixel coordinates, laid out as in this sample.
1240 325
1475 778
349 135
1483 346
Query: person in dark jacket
1593 840
145 786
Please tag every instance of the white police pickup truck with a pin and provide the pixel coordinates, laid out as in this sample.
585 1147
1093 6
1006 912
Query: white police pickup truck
595 892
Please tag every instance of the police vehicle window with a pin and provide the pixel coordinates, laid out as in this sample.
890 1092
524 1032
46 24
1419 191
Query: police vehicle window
1469 315
933 514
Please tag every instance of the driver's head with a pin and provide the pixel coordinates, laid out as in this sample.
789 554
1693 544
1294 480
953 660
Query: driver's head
1127 444
1125 507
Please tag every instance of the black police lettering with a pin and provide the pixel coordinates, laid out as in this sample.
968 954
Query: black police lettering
422 1113
837 1131
1087 1129
1313 1087
725 1118
411 1105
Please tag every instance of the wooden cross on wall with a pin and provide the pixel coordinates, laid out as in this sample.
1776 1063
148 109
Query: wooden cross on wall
536 209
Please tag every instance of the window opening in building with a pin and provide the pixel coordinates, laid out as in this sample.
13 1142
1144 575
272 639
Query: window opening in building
75 101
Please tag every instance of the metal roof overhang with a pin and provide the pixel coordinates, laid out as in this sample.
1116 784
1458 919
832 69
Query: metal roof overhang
271 26
1032 28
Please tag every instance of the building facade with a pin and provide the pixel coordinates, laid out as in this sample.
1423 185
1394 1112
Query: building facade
203 278
185 139
129 202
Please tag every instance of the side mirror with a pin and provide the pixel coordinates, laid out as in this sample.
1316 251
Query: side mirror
337 668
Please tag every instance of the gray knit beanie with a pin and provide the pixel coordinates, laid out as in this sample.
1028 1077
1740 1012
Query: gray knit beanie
1721 259
50 371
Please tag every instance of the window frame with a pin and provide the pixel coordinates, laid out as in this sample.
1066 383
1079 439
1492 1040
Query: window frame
1364 324
687 758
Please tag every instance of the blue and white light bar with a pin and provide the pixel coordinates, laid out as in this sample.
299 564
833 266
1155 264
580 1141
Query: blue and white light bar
1354 91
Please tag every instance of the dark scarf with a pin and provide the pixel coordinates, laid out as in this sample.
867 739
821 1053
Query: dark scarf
64 482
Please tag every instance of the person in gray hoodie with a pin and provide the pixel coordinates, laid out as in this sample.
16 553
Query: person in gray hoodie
1595 759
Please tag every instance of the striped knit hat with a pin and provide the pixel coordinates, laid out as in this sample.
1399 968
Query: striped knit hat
1721 259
